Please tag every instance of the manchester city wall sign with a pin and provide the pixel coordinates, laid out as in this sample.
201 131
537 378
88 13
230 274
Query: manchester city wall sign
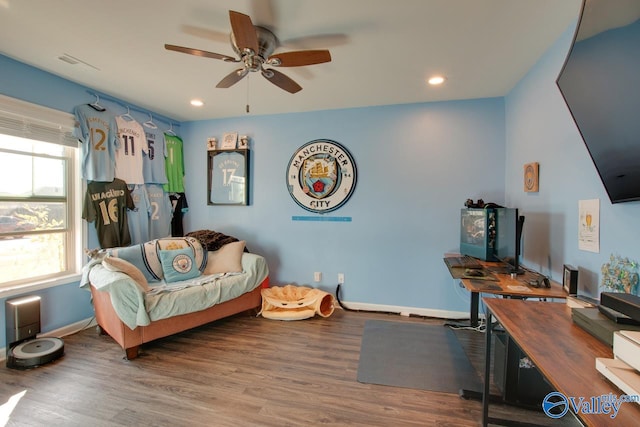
321 176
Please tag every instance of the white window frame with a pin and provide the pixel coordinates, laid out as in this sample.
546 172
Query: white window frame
27 120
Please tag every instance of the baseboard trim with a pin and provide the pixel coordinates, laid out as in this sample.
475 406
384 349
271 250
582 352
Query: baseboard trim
408 311
60 332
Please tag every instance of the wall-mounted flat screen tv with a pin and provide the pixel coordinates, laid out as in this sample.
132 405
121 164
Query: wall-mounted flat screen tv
600 82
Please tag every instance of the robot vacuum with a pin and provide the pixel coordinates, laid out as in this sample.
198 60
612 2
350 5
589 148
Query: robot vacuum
24 349
35 352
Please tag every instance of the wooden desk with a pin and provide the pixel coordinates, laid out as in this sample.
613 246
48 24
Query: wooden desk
503 285
562 351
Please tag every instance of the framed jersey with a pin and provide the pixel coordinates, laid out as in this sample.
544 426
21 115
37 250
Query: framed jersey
228 177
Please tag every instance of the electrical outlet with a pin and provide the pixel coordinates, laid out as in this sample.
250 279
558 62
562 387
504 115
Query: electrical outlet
340 278
317 276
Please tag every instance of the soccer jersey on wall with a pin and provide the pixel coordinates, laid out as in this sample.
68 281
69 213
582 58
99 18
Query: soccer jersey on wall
116 150
106 203
131 146
97 132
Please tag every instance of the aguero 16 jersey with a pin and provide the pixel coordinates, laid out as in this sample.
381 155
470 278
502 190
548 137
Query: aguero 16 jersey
106 203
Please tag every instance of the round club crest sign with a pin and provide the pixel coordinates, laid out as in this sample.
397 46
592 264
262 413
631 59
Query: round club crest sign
321 176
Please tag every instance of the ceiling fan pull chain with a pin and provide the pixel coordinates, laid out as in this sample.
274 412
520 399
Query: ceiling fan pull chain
247 94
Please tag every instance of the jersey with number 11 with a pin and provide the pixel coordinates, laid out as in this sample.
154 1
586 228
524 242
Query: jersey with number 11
132 143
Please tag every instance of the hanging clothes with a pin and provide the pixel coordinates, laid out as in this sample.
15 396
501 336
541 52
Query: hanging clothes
106 203
174 164
139 216
153 164
98 134
130 148
160 217
180 207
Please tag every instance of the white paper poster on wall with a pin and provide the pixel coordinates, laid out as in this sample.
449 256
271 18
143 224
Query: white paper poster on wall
589 225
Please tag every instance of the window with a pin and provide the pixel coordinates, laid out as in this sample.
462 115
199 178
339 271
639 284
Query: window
40 234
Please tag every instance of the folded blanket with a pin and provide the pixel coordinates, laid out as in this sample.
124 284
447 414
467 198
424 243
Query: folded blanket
295 302
163 286
212 240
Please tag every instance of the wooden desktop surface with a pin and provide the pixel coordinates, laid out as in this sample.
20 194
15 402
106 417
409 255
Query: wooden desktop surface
505 285
563 352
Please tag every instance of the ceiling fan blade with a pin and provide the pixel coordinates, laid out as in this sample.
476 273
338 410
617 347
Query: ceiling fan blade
198 52
243 31
282 81
232 78
299 58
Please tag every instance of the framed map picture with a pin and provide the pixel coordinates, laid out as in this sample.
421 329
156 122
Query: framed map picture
228 177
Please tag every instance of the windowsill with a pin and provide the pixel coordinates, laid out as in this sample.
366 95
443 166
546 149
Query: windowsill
37 286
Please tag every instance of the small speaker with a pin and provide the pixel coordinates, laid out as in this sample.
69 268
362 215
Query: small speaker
570 280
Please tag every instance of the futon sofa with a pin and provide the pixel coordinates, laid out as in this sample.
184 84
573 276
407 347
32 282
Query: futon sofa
142 292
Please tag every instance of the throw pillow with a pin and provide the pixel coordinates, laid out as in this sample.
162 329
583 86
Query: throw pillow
118 264
178 265
137 256
146 256
227 259
171 243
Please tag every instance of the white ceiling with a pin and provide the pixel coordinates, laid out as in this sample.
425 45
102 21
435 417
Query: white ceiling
382 50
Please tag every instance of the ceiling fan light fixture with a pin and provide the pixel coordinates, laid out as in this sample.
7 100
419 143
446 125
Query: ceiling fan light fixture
436 80
254 47
197 102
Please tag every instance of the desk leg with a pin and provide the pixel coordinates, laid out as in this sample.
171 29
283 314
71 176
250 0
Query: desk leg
487 372
475 304
474 318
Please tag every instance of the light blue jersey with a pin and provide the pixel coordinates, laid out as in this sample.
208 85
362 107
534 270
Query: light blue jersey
153 163
139 216
98 134
161 212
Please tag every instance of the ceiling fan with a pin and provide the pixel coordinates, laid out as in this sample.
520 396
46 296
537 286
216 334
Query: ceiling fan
255 45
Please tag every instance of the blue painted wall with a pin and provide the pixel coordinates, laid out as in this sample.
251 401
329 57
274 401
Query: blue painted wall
539 128
417 164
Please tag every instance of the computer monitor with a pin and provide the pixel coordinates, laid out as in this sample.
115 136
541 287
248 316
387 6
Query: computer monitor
508 243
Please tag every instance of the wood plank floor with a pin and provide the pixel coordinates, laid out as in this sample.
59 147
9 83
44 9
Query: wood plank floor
240 371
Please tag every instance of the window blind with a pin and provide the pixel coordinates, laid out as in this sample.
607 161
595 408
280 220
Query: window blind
27 120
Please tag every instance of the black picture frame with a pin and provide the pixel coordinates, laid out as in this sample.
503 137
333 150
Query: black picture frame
228 177
570 279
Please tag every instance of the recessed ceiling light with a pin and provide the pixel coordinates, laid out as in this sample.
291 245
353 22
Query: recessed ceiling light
436 80
197 103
